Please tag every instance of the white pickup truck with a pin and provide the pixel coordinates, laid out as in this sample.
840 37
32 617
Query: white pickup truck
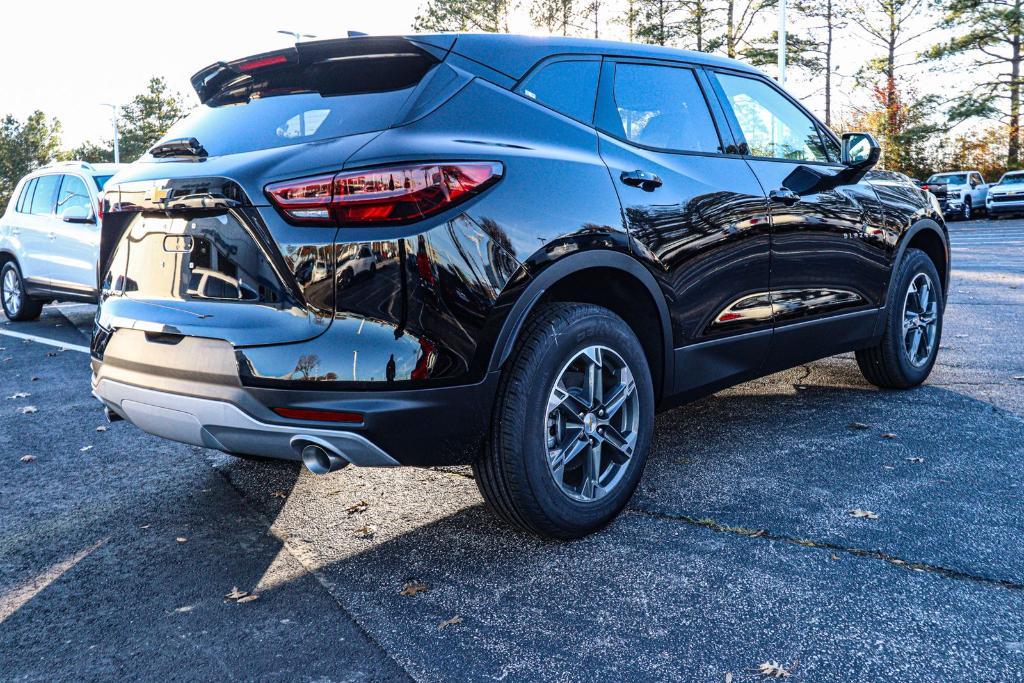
960 193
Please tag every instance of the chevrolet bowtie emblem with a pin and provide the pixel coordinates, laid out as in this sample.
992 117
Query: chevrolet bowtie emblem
158 194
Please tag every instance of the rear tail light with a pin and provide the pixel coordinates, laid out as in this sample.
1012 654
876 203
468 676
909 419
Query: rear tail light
99 207
382 196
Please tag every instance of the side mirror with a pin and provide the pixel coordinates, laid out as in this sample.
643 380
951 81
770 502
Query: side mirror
860 151
77 214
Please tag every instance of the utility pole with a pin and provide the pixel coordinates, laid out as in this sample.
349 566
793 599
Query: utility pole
782 43
113 118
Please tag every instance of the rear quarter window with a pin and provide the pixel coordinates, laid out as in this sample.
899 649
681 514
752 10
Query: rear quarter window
25 198
567 86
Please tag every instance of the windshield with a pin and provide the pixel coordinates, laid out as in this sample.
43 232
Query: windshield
952 178
1016 179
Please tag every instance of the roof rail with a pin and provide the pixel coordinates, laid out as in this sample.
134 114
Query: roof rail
81 164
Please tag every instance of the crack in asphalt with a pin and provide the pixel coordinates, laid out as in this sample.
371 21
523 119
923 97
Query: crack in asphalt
299 556
925 567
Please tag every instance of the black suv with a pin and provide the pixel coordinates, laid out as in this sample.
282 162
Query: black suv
496 250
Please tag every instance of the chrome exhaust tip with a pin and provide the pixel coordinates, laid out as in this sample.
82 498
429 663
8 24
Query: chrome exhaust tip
318 456
111 416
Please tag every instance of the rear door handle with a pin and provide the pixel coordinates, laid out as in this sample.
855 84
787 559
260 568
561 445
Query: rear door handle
648 182
784 196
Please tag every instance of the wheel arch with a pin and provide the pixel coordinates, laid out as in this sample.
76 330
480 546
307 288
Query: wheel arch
932 239
611 279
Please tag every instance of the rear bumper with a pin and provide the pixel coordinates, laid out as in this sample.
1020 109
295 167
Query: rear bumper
190 391
223 426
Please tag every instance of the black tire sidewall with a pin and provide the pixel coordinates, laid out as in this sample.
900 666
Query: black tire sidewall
571 516
11 265
915 262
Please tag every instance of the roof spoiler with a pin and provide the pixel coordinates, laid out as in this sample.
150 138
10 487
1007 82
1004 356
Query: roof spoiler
211 80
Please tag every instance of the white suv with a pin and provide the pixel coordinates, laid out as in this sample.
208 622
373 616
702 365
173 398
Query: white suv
50 238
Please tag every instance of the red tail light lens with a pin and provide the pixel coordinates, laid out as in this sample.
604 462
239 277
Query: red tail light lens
99 206
382 196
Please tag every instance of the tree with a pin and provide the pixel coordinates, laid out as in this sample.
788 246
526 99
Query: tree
901 121
464 15
24 147
590 16
740 17
141 123
657 21
699 24
801 52
825 18
888 25
630 18
556 16
989 33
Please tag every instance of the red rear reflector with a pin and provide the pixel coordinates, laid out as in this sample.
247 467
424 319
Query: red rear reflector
384 196
319 415
262 62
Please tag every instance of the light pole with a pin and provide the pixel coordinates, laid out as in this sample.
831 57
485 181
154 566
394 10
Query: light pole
113 118
296 35
782 43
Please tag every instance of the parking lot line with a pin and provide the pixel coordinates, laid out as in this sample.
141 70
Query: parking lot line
44 340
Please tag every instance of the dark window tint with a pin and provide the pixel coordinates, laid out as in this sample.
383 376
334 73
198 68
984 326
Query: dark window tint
25 198
304 103
774 127
46 195
663 107
73 193
569 87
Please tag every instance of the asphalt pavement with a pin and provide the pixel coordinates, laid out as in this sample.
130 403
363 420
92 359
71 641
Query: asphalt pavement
123 556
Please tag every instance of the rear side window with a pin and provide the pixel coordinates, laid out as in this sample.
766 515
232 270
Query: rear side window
304 103
101 180
664 107
45 195
25 198
569 87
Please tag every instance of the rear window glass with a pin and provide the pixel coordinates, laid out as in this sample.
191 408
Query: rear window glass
304 104
568 87
101 180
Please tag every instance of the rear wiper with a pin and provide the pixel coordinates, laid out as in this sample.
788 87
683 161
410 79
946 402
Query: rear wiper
179 147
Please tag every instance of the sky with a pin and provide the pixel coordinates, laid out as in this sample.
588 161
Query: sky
71 58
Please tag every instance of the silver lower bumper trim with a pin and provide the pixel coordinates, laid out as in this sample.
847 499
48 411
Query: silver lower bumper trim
223 426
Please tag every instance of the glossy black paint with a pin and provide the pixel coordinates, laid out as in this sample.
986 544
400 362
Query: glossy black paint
412 325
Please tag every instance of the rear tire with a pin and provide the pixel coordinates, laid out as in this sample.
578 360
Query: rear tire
913 327
17 304
968 211
565 454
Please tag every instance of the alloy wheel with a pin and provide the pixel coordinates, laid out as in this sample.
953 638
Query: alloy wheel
967 211
593 417
920 320
12 292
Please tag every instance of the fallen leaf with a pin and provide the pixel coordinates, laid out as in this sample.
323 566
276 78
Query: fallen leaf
866 514
27 458
83 449
858 425
102 428
28 410
279 494
413 587
450 622
888 435
19 394
181 539
357 507
772 669
235 593
915 460
248 598
365 531
835 557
